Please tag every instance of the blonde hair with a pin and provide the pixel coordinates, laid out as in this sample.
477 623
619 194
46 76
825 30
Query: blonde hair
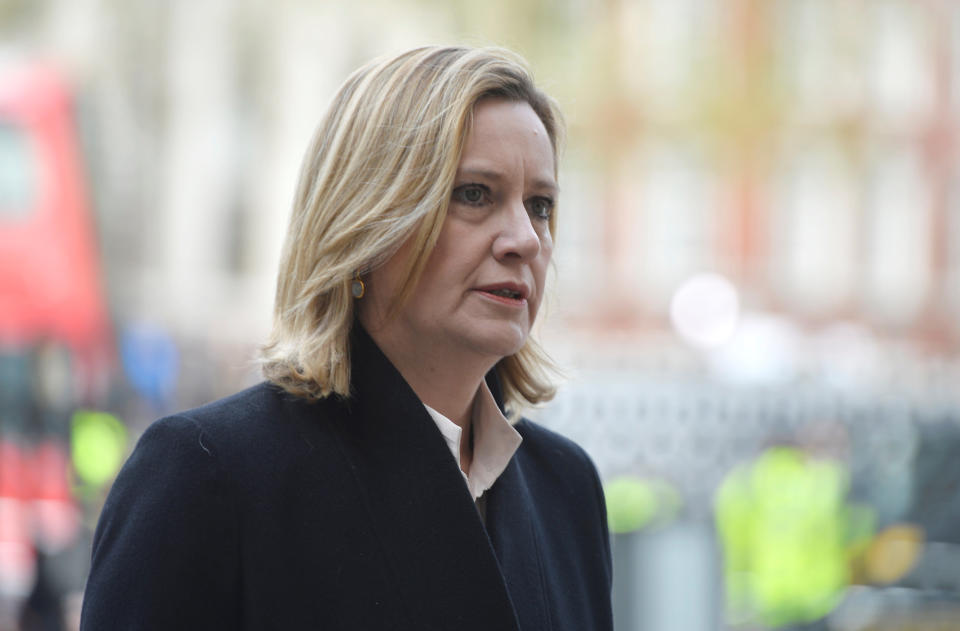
379 171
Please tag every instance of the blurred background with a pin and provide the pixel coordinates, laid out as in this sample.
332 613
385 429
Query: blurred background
756 295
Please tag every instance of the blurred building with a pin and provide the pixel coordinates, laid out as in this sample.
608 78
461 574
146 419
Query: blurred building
805 150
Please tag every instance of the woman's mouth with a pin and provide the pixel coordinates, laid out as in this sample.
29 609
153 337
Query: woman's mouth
507 293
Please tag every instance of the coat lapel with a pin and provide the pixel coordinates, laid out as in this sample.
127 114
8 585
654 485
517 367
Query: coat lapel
513 533
511 527
428 526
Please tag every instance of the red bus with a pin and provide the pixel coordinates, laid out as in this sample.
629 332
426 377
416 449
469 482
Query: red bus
50 284
51 296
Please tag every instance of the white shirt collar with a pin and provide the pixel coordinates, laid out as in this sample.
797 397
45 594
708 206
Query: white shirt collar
494 440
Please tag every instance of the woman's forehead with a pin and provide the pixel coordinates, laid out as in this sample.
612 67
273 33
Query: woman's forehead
507 137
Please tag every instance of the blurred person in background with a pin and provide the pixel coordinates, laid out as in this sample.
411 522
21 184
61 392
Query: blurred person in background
381 477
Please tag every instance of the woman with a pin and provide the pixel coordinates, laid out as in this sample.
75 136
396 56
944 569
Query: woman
373 481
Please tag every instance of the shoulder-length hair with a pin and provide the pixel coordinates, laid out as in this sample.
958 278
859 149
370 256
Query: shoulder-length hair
379 171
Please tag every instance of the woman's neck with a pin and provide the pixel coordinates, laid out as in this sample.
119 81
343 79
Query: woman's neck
447 384
444 378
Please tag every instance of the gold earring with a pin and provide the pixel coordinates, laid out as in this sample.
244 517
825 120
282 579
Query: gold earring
357 288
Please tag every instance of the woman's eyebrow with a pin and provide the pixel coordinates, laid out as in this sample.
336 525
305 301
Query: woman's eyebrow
483 174
496 176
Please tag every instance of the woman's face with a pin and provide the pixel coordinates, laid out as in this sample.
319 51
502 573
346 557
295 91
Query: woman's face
483 283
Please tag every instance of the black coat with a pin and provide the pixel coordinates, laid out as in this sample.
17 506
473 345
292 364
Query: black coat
266 511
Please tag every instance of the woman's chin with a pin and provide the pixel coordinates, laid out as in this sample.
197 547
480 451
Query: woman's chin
500 344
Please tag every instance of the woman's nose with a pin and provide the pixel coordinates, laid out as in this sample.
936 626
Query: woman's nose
517 237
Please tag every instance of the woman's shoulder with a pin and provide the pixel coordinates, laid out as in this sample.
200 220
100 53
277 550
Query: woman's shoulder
260 422
250 406
545 441
550 453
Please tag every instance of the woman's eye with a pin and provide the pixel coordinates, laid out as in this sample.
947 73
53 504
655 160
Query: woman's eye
472 194
541 207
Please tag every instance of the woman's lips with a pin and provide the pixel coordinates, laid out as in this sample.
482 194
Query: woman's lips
504 300
507 289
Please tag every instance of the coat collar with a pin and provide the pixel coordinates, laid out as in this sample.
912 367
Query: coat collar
444 563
